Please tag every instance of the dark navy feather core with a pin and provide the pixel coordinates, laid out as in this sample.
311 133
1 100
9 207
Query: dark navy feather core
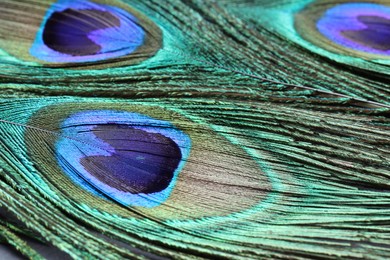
358 26
82 31
376 35
67 31
143 162
131 158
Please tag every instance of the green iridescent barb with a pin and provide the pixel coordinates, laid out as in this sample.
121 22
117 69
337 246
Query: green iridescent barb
195 129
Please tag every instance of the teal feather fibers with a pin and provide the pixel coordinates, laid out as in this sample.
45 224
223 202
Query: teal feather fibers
290 151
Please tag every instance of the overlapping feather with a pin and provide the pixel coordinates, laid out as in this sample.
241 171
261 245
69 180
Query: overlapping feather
291 156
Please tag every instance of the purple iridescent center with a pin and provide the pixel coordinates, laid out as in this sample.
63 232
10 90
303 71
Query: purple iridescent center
68 31
376 35
359 26
142 162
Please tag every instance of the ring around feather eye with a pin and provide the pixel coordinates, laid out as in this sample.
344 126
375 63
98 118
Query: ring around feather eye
127 154
358 29
78 33
142 156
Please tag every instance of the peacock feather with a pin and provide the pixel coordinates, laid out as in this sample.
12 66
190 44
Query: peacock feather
196 129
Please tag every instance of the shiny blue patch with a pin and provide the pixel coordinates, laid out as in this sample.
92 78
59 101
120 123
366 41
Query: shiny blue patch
77 141
114 41
349 25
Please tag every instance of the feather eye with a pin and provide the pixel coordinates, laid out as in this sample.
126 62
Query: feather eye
354 33
139 155
358 29
77 33
121 154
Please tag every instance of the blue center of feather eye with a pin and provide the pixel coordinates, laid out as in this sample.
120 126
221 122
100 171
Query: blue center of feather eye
376 35
68 31
131 158
141 162
358 26
82 31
